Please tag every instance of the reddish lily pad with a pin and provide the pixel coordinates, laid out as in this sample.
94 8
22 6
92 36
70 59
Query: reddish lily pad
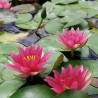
95 82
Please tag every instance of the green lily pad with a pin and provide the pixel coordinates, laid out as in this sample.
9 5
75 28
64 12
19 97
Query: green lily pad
24 8
74 6
9 87
9 83
1 69
77 13
63 1
7 15
74 22
49 6
29 25
49 43
93 42
53 26
89 4
9 47
10 76
23 18
91 12
35 91
72 94
71 18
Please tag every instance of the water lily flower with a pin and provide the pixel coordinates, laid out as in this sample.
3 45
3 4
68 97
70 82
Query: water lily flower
72 40
69 79
29 61
5 4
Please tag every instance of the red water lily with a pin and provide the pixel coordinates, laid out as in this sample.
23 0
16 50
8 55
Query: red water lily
29 61
69 79
72 39
5 4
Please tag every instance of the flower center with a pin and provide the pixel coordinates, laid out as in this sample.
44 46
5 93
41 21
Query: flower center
28 58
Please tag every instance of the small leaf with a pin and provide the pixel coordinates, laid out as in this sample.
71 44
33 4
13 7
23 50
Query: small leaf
95 82
12 37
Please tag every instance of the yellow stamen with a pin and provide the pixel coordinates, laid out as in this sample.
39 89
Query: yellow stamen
28 58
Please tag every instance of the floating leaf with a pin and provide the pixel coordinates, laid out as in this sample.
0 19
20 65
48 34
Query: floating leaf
35 91
73 13
72 93
53 26
1 70
95 82
89 4
29 25
9 87
94 31
9 47
24 8
7 15
8 82
12 37
93 43
23 18
63 1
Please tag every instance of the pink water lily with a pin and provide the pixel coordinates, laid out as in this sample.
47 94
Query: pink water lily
69 79
5 4
72 39
29 61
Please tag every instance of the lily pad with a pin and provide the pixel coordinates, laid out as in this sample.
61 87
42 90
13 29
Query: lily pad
89 4
29 25
80 13
7 15
9 47
24 8
37 91
53 26
63 1
23 18
72 94
95 82
12 37
92 43
9 87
